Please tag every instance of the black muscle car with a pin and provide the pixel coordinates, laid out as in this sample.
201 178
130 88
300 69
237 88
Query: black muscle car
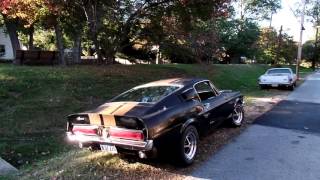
166 113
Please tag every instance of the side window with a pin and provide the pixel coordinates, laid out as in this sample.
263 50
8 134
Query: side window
204 90
2 50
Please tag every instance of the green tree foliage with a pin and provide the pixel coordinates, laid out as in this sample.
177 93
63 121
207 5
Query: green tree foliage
166 23
238 38
259 9
272 45
185 31
288 50
313 11
262 8
308 50
267 45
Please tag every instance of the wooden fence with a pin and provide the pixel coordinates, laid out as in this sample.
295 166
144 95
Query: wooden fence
36 57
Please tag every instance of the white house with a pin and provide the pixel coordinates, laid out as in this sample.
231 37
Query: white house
6 50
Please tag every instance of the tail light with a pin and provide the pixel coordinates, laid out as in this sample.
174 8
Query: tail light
126 134
89 130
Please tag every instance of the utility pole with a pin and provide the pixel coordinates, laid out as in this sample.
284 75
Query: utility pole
269 30
279 46
241 10
270 25
301 35
317 25
315 51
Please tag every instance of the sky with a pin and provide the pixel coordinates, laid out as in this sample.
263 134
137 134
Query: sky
291 24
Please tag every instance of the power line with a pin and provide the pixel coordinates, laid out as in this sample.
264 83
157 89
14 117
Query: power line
292 10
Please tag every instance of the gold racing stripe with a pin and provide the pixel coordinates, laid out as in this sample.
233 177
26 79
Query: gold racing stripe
108 109
125 108
107 114
94 119
109 120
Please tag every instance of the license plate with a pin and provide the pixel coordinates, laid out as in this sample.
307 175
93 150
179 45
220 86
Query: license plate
274 85
108 148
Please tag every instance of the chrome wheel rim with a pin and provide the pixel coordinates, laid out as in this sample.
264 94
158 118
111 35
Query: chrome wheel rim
237 115
190 145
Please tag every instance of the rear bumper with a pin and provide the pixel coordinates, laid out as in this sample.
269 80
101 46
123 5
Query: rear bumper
126 144
275 83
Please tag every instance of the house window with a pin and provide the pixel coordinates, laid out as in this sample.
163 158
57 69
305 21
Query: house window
2 50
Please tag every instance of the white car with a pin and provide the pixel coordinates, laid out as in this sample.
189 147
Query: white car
276 77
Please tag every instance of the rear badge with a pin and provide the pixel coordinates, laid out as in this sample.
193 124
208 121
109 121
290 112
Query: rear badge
102 132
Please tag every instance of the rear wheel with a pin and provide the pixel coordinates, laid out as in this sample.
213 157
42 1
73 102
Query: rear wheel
237 115
263 86
291 87
188 145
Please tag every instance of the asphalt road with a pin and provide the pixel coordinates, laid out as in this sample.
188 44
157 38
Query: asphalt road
6 168
283 144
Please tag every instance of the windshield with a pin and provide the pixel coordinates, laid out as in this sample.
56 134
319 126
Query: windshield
279 71
150 94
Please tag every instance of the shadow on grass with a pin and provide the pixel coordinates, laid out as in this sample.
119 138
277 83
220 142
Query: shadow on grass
84 164
30 148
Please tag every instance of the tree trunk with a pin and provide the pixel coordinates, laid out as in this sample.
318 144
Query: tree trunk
59 43
30 42
315 52
109 55
90 11
12 31
97 47
279 47
77 49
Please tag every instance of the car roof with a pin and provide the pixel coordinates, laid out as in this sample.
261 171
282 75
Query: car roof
181 82
278 68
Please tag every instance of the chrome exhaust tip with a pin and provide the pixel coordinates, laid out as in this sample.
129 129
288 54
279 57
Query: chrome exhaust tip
142 155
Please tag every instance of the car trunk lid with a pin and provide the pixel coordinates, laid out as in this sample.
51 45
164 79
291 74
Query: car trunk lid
275 78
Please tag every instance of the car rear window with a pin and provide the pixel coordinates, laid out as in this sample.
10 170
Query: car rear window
279 71
150 94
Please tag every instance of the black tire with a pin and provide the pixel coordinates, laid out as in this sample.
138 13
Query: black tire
263 87
237 116
186 154
291 87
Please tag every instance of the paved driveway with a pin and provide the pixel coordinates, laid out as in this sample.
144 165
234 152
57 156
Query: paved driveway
283 143
6 168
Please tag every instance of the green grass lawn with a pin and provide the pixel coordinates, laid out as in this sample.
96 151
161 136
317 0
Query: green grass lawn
34 101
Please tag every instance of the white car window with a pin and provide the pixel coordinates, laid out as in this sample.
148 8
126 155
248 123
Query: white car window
279 71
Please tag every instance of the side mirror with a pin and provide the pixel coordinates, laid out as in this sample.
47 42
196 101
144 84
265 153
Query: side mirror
189 94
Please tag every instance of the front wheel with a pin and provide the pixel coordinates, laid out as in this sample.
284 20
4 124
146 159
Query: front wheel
237 115
291 87
188 145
